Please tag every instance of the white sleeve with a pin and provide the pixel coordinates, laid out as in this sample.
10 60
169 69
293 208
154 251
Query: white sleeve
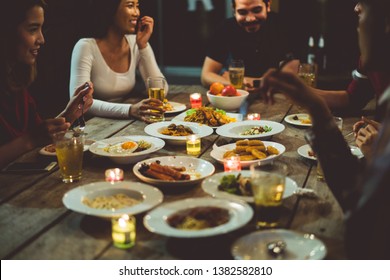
148 66
80 72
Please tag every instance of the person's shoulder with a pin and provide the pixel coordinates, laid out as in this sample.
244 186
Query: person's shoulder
85 42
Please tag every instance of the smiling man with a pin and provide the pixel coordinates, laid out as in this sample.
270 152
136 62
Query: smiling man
253 35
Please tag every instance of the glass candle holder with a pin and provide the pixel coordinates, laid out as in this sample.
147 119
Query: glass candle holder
196 100
232 163
123 231
114 175
193 144
253 116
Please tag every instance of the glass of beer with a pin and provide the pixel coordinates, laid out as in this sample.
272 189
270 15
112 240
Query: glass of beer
236 73
308 73
156 89
69 150
268 187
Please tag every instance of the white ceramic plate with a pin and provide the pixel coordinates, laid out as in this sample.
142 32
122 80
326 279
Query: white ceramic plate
304 152
149 195
155 129
197 168
156 220
210 186
43 151
177 107
234 130
181 117
299 246
97 148
217 153
290 119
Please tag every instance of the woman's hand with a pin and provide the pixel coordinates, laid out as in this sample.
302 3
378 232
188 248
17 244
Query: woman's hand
79 103
146 108
145 30
366 136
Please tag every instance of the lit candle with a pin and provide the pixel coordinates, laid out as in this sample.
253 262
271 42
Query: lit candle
232 163
193 145
196 100
114 175
253 116
123 231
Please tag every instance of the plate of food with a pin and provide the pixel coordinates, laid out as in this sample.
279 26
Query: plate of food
121 149
236 185
307 152
176 132
107 200
250 129
174 107
298 246
50 150
298 119
250 151
208 116
173 171
198 217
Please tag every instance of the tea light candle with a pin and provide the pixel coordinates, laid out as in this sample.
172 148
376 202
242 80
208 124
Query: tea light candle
253 116
114 175
196 100
232 163
193 145
123 231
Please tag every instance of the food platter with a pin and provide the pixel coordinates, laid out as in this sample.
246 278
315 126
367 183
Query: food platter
49 150
217 153
100 148
198 169
236 129
148 195
177 107
299 246
156 220
210 186
155 129
304 152
298 120
181 117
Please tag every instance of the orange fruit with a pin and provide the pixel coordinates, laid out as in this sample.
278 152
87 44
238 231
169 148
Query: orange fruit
216 88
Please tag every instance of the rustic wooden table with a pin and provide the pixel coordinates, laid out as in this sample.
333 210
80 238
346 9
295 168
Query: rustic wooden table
34 223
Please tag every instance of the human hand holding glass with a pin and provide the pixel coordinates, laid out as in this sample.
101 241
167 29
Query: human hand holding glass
156 89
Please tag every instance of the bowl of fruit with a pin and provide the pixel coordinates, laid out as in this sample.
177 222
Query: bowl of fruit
226 97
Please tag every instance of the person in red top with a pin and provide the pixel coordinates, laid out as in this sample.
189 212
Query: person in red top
21 127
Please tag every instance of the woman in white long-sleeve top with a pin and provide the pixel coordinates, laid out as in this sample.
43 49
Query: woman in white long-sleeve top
119 46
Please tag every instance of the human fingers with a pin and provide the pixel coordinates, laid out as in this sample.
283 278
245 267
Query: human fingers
371 122
153 101
357 126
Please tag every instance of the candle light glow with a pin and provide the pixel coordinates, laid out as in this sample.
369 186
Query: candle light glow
114 175
193 145
123 231
196 100
253 116
232 163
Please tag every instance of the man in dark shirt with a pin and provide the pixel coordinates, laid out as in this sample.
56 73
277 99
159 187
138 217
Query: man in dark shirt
254 35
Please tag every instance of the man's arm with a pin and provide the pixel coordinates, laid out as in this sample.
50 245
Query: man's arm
211 73
335 99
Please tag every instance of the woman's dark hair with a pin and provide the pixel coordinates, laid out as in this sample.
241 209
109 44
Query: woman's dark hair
100 17
14 76
234 3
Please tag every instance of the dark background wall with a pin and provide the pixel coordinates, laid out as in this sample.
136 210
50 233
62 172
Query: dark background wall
180 37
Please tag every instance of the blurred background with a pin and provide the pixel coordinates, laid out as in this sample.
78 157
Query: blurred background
182 28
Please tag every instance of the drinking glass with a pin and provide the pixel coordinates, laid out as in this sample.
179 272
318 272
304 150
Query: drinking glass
268 185
308 73
236 73
69 150
156 89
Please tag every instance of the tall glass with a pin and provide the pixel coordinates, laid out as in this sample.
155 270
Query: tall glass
308 73
156 89
236 73
69 150
268 187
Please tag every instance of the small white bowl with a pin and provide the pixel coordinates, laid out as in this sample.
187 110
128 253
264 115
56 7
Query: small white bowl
228 103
